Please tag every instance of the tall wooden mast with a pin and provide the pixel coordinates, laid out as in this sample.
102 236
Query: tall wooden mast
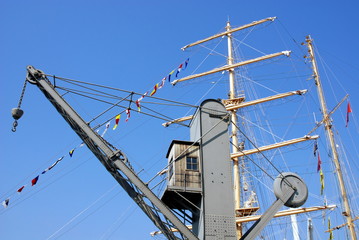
232 95
330 135
232 104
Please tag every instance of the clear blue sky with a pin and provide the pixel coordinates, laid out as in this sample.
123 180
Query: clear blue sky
129 45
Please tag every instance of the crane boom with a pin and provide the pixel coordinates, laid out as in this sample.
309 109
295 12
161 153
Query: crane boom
115 162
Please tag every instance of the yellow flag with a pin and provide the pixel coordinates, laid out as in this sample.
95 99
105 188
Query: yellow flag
330 232
154 89
117 119
321 181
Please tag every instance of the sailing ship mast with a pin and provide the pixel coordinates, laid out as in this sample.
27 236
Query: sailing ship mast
234 118
328 128
235 102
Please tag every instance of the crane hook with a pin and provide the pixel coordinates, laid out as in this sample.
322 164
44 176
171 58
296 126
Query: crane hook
16 114
14 125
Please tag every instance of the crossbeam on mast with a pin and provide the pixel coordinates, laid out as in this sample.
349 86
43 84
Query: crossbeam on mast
177 120
285 213
342 225
272 146
231 107
326 118
330 137
231 66
278 214
229 32
266 99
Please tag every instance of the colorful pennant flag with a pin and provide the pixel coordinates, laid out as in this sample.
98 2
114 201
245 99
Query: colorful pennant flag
139 100
179 69
154 90
34 181
321 181
138 105
20 189
349 110
104 131
71 152
162 83
117 120
319 165
169 75
54 164
186 63
159 86
331 237
5 203
128 112
315 148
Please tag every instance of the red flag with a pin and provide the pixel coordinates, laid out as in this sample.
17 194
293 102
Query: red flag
162 83
128 114
319 166
138 105
349 110
34 181
179 69
20 189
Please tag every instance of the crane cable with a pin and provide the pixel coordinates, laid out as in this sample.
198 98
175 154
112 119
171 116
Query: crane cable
17 112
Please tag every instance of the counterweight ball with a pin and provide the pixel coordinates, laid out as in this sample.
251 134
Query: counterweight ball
17 113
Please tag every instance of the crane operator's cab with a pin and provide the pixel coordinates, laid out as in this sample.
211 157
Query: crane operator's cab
183 175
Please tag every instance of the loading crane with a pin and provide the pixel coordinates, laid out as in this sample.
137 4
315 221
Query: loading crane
212 214
115 162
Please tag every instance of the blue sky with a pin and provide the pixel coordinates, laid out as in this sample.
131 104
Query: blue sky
130 45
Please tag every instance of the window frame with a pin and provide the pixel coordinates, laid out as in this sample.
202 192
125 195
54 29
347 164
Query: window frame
190 164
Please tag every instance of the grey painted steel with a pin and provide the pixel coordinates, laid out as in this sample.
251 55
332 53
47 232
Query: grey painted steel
290 191
210 125
258 226
114 161
310 230
280 185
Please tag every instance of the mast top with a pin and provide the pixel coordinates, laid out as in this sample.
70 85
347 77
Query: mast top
230 31
228 26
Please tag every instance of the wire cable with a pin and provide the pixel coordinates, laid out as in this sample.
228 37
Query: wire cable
265 157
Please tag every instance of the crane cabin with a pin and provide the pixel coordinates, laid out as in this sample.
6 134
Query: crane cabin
183 174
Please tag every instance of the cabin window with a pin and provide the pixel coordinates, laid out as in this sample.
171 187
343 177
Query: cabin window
192 163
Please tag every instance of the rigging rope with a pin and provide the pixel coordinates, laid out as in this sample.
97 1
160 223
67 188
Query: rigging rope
239 150
200 64
108 109
80 213
165 118
72 81
280 173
